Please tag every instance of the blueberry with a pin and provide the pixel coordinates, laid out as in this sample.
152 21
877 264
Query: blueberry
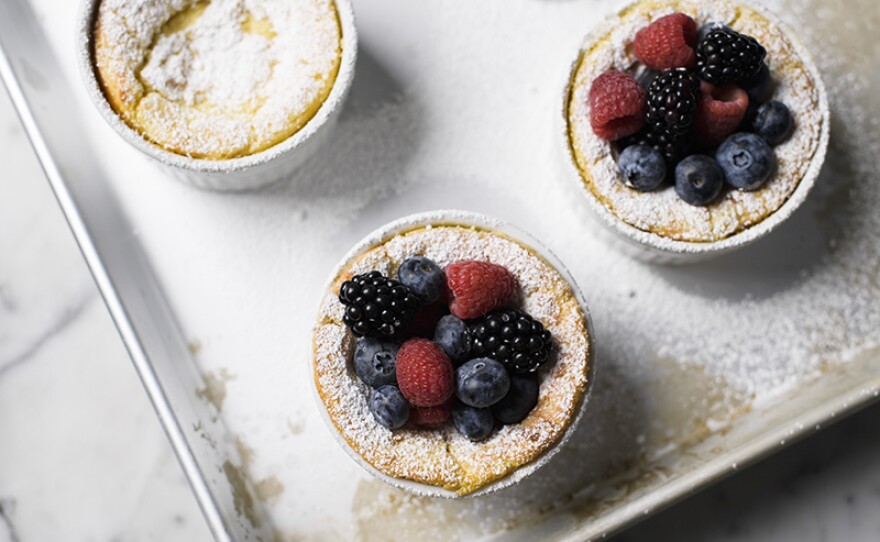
641 167
375 362
773 122
389 407
454 338
698 179
746 124
474 423
758 86
519 401
704 30
481 382
746 159
423 277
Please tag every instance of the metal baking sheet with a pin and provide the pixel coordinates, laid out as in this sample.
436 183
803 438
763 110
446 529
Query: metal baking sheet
700 370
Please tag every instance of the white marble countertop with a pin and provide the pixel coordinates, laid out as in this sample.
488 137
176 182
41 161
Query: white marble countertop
82 456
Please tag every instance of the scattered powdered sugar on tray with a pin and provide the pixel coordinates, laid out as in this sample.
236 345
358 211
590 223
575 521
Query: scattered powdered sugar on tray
445 457
445 114
217 79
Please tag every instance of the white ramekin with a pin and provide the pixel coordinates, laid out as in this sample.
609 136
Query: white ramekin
463 218
247 172
656 248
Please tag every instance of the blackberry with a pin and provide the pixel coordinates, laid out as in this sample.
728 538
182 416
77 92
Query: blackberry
512 337
671 150
377 306
725 56
672 105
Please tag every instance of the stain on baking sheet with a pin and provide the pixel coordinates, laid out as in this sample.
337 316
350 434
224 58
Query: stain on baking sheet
296 424
241 495
214 390
269 489
245 452
247 493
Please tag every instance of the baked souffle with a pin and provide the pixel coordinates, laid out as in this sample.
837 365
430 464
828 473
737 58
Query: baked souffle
451 356
694 121
216 80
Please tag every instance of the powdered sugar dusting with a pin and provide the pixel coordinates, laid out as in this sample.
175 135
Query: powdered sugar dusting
681 351
663 212
445 458
220 79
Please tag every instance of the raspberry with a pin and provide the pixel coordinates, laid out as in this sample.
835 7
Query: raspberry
478 287
668 43
424 373
431 417
617 105
719 111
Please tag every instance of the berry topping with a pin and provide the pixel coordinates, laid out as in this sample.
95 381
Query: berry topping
481 382
719 111
513 338
389 407
672 150
746 160
759 86
773 122
478 287
647 77
519 401
430 417
454 338
423 277
425 320
474 423
377 306
725 55
617 105
375 362
672 101
641 167
668 43
698 180
424 373
704 30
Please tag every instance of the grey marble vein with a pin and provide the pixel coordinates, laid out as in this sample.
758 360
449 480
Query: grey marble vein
6 522
6 300
68 316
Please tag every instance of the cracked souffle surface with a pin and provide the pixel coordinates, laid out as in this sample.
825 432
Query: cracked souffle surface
445 458
219 79
662 212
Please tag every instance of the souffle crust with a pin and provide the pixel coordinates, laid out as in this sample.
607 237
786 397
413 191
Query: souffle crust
220 79
444 458
662 212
